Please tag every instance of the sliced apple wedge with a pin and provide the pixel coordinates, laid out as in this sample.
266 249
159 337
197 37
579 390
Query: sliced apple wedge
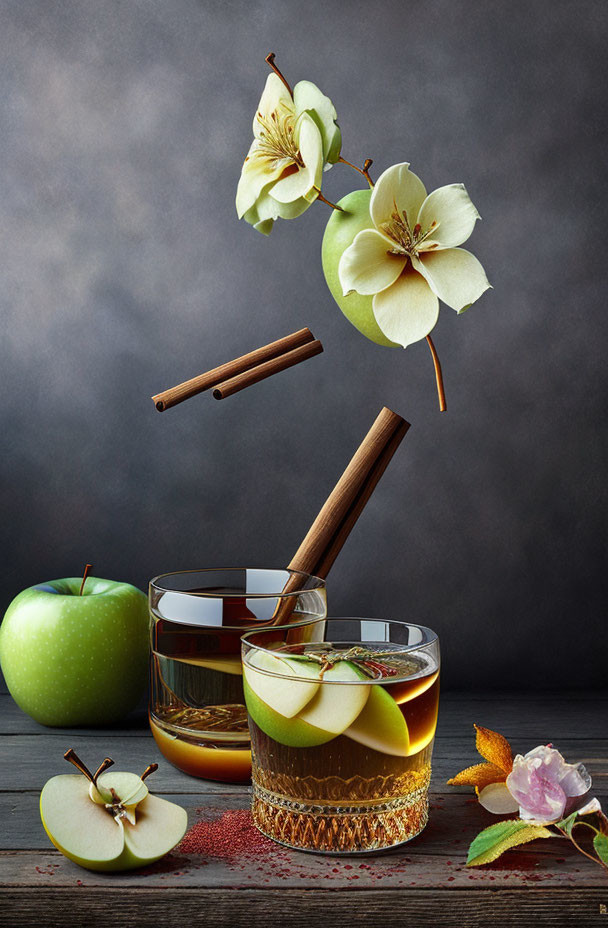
380 725
289 731
336 705
283 695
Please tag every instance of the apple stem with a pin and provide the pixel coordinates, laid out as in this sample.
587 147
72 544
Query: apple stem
71 756
108 762
329 203
438 375
149 769
87 570
364 170
270 62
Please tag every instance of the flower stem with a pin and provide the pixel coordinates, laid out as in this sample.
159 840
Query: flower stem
329 203
438 375
364 170
595 860
269 59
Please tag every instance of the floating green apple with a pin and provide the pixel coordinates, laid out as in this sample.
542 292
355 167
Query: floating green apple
109 821
339 234
76 653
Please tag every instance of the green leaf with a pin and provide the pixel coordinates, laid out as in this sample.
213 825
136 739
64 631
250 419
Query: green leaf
495 840
600 843
567 824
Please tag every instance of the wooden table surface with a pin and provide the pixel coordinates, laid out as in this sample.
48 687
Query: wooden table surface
425 883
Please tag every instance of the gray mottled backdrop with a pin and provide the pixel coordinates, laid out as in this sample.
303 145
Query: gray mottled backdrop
124 270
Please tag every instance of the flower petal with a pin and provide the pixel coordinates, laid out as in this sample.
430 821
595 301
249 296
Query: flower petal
478 775
575 780
264 226
367 266
266 209
407 310
308 97
274 95
454 275
257 172
454 215
592 806
540 798
494 747
302 183
396 185
497 799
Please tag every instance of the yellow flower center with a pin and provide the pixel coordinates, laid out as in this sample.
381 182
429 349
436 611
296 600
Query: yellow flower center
276 140
406 239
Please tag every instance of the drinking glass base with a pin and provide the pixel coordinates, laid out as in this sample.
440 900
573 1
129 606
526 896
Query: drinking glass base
325 828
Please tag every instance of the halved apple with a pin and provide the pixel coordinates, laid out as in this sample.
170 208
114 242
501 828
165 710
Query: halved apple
109 825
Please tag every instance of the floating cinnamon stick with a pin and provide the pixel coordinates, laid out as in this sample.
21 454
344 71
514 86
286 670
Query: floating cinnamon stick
255 374
231 369
345 504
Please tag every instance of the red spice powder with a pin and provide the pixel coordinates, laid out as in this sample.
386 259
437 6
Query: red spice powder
232 835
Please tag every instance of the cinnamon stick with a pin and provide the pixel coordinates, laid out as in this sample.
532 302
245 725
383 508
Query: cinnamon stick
255 374
346 501
345 504
230 369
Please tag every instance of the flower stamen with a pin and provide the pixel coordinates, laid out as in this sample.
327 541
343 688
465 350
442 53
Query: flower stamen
398 228
276 140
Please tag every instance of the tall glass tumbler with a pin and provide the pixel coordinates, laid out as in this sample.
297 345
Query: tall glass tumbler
197 707
342 733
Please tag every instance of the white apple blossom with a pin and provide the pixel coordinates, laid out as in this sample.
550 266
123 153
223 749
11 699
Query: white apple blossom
295 138
409 259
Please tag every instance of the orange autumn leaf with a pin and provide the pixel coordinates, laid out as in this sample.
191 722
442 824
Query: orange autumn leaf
494 748
479 775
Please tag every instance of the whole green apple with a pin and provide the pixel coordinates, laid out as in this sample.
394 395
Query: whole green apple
339 234
75 660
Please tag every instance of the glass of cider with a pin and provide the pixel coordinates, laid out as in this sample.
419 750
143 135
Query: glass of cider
342 732
197 707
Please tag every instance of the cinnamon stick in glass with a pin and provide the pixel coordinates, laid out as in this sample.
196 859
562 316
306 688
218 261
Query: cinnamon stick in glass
345 503
230 369
255 374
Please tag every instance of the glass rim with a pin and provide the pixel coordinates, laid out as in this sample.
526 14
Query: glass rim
318 583
433 638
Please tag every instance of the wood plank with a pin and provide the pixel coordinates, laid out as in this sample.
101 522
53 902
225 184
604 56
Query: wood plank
538 906
33 759
454 821
288 870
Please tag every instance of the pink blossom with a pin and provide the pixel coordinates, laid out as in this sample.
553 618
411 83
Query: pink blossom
545 786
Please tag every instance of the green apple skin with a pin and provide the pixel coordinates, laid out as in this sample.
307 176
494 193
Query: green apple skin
339 234
71 660
292 732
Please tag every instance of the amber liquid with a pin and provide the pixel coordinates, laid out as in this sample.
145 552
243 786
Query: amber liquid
197 707
344 796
